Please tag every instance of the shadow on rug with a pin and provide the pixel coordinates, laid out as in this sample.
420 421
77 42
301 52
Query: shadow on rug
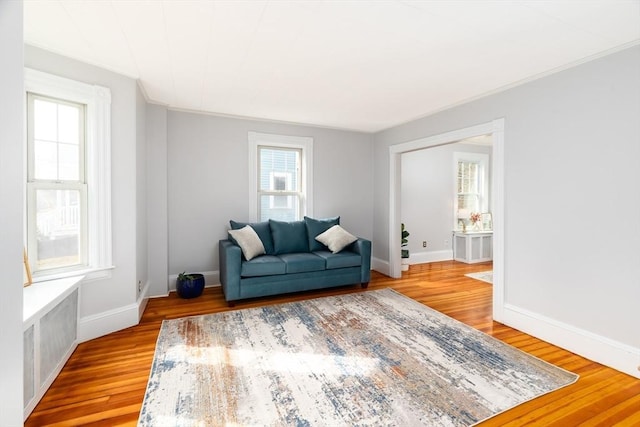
371 358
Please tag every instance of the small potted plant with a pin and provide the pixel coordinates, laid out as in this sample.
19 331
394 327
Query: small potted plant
404 250
189 285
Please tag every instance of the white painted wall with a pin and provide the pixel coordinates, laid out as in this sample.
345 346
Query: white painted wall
572 142
427 186
11 212
157 223
110 304
208 181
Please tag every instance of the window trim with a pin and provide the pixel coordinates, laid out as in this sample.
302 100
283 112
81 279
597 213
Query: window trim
303 143
97 101
482 160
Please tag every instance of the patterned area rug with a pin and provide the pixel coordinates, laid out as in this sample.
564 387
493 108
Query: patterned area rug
485 276
374 358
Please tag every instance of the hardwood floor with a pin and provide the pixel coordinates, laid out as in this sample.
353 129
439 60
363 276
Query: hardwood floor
104 382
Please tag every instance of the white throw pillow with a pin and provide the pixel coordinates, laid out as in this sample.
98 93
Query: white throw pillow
249 242
336 238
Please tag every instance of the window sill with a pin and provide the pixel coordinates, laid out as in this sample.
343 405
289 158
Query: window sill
88 274
43 296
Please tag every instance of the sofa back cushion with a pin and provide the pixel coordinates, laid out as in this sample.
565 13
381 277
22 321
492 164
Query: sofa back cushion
315 227
289 237
262 229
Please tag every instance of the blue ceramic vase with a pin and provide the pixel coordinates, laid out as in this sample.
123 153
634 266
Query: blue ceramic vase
190 285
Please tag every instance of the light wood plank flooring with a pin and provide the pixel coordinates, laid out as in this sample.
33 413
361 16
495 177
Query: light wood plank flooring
103 383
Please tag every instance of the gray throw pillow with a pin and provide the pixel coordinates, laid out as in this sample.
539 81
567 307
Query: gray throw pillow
249 242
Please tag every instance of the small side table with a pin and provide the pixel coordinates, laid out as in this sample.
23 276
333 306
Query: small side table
473 246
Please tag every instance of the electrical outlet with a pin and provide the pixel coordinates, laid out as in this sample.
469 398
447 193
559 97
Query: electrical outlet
139 285
446 243
424 243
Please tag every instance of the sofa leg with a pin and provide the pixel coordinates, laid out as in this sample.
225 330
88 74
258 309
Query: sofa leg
231 304
364 285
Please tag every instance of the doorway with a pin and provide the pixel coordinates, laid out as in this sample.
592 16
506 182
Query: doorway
496 129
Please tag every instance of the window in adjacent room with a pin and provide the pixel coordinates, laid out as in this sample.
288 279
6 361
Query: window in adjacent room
471 180
280 181
68 224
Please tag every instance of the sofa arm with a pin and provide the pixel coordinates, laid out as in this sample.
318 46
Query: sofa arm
363 247
230 257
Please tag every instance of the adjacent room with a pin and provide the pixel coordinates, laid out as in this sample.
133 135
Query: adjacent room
320 213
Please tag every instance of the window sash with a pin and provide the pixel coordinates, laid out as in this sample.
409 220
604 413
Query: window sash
32 214
305 174
290 194
56 183
470 185
31 141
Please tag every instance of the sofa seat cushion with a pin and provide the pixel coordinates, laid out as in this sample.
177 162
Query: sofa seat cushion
302 262
340 260
266 265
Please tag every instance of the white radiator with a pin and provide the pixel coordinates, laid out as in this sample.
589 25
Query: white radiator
50 335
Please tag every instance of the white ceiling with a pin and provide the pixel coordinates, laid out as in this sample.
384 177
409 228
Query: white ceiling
361 65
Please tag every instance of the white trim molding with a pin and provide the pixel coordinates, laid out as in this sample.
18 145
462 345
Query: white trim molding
98 150
100 324
287 141
614 354
494 128
380 265
430 256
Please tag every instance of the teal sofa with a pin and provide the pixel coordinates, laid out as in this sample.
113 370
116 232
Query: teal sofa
293 261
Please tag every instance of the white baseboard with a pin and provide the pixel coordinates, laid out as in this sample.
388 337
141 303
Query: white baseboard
143 299
380 266
98 325
211 279
614 354
430 256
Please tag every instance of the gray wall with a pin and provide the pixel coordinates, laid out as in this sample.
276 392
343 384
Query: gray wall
572 142
157 224
208 181
11 213
427 185
141 192
100 296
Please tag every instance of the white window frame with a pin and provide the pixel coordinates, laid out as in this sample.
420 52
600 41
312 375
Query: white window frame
97 101
483 176
33 185
303 143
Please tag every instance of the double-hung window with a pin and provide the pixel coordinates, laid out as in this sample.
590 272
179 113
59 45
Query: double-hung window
471 181
280 176
56 186
68 182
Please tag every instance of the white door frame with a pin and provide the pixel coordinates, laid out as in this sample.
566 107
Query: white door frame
496 129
